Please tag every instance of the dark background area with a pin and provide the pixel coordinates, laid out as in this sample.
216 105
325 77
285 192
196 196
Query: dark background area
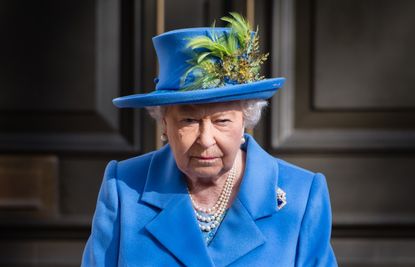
347 110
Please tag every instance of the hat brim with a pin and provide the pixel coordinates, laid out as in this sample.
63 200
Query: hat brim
262 89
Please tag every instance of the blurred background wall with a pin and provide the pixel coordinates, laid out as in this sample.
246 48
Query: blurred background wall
348 110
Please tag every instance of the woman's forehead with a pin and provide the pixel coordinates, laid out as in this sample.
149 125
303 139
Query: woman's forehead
206 108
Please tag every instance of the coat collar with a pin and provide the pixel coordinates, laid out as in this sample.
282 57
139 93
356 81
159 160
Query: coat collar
257 198
258 191
175 227
164 180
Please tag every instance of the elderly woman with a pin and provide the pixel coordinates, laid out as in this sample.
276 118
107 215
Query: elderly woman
211 196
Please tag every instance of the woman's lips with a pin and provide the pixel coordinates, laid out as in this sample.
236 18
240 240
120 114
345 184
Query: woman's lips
205 159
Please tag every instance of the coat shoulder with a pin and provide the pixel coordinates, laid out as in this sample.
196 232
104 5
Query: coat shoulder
297 184
289 171
134 169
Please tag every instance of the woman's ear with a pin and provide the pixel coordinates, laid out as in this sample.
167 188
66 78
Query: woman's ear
164 125
163 137
163 121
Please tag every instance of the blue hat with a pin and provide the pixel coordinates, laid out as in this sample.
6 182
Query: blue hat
181 77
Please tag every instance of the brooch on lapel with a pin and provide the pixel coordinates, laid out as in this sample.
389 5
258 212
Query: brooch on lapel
281 198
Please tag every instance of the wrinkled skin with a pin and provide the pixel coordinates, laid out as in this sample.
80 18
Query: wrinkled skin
205 140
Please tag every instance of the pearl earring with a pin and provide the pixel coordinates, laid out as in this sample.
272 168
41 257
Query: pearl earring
163 137
243 140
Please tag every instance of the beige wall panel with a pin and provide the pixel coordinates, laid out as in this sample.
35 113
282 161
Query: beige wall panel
366 189
374 252
363 54
28 187
42 253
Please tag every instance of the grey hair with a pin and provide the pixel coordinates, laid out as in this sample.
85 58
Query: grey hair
251 109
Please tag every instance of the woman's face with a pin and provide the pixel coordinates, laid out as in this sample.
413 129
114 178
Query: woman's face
204 138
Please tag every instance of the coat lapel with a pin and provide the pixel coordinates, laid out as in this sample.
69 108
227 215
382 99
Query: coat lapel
257 198
175 227
237 235
258 192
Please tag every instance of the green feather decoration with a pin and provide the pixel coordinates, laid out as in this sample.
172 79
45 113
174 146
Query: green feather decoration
232 58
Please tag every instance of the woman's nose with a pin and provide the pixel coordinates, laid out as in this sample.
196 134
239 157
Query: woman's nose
206 135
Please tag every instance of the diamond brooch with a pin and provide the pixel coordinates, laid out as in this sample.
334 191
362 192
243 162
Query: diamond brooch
281 198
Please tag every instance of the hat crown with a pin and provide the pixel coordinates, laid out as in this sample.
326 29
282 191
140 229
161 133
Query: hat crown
173 54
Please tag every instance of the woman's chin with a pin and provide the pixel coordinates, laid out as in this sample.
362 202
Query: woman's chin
206 172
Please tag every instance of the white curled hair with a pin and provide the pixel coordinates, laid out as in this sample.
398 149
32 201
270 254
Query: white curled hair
251 109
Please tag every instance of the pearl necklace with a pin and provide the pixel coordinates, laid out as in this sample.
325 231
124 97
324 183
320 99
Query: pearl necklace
211 217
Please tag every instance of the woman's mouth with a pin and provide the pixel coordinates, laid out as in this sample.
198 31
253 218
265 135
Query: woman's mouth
206 159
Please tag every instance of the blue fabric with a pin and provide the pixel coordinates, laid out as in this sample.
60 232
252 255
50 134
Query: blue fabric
144 217
209 235
173 56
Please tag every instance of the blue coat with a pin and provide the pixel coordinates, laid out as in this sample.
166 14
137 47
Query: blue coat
144 217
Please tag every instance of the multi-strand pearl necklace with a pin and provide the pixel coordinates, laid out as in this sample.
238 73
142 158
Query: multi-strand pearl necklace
210 218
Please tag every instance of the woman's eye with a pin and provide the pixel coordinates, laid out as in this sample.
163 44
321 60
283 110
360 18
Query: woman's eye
223 121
